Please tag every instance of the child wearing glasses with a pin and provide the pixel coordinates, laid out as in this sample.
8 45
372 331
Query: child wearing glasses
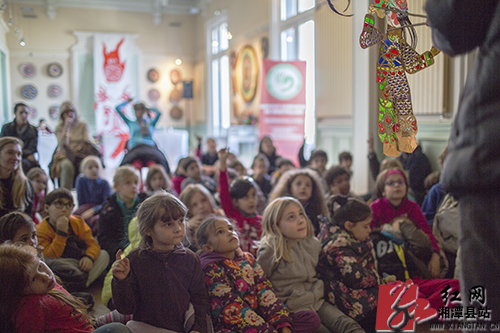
392 189
68 237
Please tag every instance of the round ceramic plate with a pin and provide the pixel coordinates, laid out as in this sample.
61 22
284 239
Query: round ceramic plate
154 95
27 69
175 76
54 69
175 95
29 91
176 113
55 90
153 75
31 112
54 112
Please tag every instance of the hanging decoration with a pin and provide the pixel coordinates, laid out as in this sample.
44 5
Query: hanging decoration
55 90
54 69
247 73
27 70
397 126
29 91
175 76
153 75
54 112
153 95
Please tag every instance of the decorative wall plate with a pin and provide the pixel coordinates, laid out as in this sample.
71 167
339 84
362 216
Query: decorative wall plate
54 112
31 112
175 76
55 90
153 75
175 96
54 69
29 91
153 95
27 69
176 113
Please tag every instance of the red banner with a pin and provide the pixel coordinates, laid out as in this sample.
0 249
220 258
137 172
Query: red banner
283 105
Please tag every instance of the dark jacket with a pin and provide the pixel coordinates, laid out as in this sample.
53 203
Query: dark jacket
416 246
29 137
472 164
160 287
112 228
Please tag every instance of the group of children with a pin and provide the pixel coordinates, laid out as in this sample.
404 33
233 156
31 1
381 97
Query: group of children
308 263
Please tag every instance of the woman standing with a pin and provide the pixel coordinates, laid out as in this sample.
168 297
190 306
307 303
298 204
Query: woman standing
16 192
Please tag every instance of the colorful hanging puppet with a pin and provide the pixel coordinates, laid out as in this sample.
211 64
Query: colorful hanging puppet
397 126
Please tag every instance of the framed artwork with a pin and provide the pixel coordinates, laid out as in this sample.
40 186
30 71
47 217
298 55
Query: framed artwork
247 73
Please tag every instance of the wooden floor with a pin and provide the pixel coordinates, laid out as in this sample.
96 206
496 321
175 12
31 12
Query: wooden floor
99 308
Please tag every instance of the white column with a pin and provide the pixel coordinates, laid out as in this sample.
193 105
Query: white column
274 33
5 99
365 103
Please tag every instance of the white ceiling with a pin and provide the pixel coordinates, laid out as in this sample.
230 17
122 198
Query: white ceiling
147 6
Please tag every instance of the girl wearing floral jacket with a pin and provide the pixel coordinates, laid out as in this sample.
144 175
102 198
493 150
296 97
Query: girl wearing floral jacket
241 297
347 261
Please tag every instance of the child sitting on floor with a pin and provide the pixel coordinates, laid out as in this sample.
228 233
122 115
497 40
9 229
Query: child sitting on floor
33 300
241 297
38 179
239 202
180 304
119 209
92 190
347 264
63 235
305 186
288 254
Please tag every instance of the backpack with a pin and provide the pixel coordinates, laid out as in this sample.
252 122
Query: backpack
446 226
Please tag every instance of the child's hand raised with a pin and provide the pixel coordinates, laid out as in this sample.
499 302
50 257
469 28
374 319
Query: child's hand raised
121 267
223 155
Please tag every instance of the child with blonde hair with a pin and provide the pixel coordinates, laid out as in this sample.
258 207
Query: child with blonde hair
288 254
92 190
180 304
305 186
241 296
200 204
119 209
33 300
158 180
38 179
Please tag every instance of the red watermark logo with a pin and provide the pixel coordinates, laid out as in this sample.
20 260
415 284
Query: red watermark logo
399 309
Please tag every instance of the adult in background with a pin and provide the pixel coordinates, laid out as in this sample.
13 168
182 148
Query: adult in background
267 148
471 170
73 145
142 149
16 192
22 129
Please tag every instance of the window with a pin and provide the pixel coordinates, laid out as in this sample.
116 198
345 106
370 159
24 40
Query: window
297 43
218 76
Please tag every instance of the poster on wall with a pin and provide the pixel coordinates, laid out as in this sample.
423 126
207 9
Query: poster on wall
113 76
283 105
